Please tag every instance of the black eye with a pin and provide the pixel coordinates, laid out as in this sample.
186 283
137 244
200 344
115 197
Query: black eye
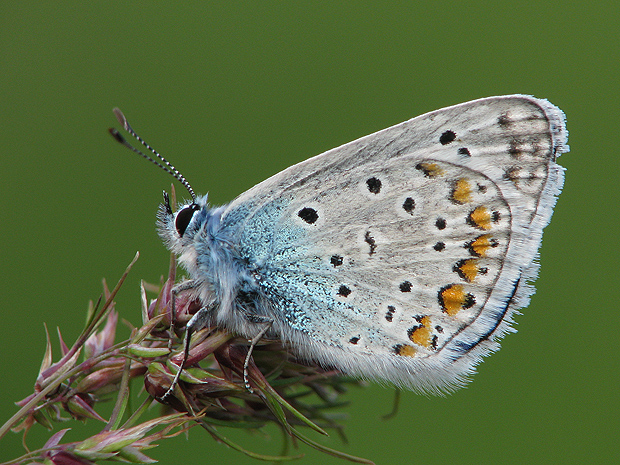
184 217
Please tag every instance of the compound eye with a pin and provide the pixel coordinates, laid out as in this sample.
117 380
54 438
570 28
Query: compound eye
184 217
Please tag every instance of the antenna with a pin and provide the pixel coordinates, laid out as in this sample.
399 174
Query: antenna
166 166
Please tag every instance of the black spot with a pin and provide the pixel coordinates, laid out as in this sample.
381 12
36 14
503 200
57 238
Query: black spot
434 342
405 286
503 120
447 137
439 329
496 216
470 301
439 246
514 149
336 260
464 151
482 188
409 205
344 291
354 340
440 223
390 313
371 242
309 215
374 185
483 270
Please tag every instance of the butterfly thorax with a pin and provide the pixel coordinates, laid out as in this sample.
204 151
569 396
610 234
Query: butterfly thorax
208 252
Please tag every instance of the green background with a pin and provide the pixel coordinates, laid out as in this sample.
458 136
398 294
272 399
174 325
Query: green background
233 92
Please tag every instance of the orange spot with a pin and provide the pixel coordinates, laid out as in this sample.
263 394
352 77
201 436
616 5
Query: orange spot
481 245
461 193
468 269
405 350
480 218
453 298
430 169
422 334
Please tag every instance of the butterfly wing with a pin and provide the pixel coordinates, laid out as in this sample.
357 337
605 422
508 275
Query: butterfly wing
404 254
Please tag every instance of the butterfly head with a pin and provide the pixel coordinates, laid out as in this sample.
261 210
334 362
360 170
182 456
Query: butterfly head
179 228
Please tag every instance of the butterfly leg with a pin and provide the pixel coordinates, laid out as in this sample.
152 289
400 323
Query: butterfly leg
196 323
176 290
255 340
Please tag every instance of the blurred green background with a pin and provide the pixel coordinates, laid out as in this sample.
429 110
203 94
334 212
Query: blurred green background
233 92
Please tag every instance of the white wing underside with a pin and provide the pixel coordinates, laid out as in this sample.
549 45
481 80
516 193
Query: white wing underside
403 255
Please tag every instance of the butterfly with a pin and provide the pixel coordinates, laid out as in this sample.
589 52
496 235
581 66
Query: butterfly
400 257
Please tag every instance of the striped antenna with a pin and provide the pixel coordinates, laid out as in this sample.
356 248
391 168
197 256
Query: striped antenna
165 165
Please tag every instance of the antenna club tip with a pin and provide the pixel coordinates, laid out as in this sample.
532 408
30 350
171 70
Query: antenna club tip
120 117
117 135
